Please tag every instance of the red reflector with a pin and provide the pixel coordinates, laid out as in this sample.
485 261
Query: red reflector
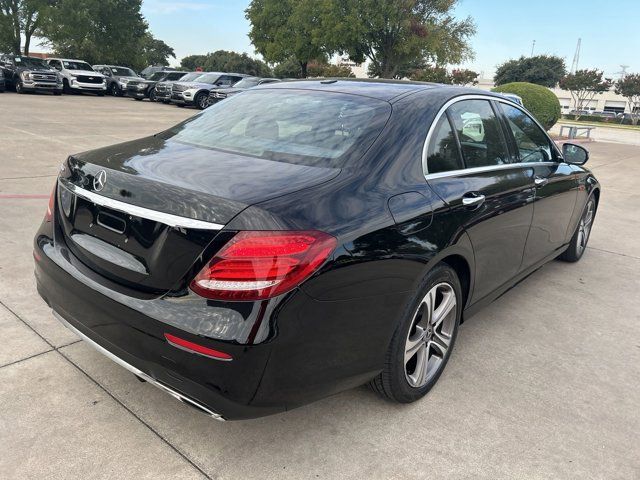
195 348
48 216
260 265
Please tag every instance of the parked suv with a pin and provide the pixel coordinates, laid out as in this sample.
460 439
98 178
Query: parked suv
141 89
248 82
29 74
147 72
117 78
78 75
164 88
2 82
197 92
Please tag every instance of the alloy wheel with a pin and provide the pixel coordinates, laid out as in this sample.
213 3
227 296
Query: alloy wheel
584 227
203 102
430 335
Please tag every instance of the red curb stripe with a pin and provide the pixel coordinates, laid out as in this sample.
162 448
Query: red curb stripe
24 196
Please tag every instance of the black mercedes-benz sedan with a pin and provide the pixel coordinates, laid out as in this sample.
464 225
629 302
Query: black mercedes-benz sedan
303 238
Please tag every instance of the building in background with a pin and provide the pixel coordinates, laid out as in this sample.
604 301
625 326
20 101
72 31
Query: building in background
604 102
358 69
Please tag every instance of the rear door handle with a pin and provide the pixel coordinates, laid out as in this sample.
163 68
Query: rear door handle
540 181
472 199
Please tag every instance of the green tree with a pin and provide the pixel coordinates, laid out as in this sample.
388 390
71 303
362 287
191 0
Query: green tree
546 70
584 85
192 62
154 51
282 30
18 19
540 101
99 31
396 36
327 70
288 68
227 61
629 88
441 75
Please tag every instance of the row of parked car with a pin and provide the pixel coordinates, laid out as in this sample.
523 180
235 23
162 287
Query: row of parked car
61 75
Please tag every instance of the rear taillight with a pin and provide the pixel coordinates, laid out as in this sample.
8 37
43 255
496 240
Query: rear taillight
48 216
260 265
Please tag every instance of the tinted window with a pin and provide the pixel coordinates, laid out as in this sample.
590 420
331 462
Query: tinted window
442 154
302 127
533 145
71 65
175 76
480 133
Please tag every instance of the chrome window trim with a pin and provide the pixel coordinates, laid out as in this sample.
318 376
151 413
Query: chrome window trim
488 168
136 371
130 209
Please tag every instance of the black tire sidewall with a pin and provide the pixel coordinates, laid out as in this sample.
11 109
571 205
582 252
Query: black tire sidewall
572 253
401 390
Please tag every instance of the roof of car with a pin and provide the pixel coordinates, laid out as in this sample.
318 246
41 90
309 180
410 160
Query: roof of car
382 89
66 59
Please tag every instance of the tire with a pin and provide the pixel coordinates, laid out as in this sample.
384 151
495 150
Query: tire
201 100
57 93
181 105
19 87
152 95
580 237
114 90
65 87
138 99
422 342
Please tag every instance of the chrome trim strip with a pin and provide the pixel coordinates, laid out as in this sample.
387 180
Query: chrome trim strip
489 168
165 218
137 372
463 171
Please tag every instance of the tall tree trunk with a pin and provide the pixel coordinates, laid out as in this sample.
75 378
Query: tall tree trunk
27 43
303 69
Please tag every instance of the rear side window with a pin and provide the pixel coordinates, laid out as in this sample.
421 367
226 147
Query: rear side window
322 129
532 143
442 153
480 133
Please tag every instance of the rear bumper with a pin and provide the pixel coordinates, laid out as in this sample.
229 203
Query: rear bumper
128 333
137 372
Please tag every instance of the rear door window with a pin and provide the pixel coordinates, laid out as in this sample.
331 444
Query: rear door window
442 152
480 133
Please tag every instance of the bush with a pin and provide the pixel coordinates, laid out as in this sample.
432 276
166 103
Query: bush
539 100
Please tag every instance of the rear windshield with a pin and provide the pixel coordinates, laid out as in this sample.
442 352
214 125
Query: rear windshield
302 127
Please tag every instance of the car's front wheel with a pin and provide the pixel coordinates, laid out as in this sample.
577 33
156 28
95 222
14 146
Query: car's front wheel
578 243
202 100
152 95
19 87
422 343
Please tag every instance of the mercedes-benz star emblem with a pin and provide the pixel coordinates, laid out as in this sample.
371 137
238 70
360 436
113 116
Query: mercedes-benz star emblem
99 180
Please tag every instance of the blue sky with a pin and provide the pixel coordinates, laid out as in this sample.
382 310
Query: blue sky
505 29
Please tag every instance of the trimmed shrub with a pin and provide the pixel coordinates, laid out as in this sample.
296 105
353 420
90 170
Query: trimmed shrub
539 100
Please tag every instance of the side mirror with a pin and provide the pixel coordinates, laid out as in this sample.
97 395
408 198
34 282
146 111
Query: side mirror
575 154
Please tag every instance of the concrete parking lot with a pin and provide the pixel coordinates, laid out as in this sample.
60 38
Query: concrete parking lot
544 383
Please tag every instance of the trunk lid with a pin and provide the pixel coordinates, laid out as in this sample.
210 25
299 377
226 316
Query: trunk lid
145 213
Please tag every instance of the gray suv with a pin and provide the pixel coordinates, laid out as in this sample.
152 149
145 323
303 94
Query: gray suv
117 78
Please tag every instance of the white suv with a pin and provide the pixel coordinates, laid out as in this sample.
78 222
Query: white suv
79 76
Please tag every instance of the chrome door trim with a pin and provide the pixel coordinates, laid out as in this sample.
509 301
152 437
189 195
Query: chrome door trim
165 218
489 168
136 371
463 171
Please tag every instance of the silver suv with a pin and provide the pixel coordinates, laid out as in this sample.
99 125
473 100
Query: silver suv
117 78
78 76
